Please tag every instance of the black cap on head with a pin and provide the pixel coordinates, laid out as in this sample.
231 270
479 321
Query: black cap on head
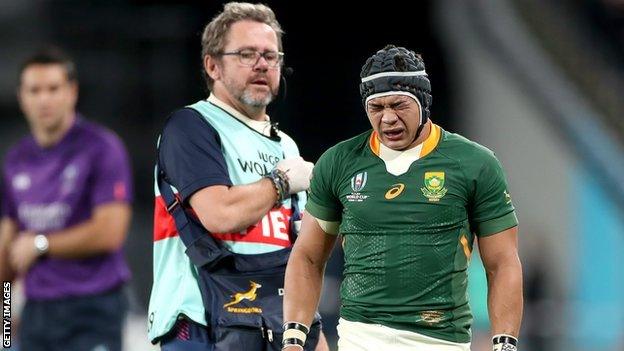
396 70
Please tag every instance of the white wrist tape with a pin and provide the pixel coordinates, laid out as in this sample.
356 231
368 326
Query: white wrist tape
295 333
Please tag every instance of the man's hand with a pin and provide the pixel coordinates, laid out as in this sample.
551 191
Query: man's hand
23 253
322 343
321 346
298 173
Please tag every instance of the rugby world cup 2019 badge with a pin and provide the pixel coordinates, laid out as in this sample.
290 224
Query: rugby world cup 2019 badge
434 188
358 182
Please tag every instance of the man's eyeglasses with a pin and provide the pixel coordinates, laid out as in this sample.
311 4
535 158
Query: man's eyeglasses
251 57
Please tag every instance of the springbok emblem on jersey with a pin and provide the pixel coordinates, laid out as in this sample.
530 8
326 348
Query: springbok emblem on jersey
434 188
247 295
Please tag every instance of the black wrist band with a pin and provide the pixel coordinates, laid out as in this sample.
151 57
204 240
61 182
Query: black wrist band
505 339
298 326
280 182
292 341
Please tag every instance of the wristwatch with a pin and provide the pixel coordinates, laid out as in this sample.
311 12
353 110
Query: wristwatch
41 244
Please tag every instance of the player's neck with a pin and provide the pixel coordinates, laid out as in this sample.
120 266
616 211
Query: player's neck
424 134
48 137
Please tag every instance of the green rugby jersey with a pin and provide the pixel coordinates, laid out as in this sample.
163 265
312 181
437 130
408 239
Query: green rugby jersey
408 238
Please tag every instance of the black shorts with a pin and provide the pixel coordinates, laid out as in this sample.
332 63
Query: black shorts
74 324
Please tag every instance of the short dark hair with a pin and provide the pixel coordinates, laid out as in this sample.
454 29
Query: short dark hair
215 32
50 56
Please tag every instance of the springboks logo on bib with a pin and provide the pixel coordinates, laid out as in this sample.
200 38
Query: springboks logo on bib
247 295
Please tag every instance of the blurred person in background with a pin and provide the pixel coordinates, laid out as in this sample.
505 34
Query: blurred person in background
65 215
408 199
239 183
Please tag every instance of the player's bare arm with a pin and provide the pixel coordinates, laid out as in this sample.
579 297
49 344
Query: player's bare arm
499 253
305 270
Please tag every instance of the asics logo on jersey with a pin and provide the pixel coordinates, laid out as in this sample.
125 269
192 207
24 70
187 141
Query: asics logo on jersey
396 190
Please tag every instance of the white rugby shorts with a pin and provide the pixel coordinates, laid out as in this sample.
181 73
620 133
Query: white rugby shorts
356 336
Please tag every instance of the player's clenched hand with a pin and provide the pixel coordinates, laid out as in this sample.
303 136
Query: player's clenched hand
298 173
23 252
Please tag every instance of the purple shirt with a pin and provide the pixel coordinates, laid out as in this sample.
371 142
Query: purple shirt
47 190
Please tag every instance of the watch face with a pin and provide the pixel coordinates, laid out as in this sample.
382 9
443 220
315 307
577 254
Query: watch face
41 243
